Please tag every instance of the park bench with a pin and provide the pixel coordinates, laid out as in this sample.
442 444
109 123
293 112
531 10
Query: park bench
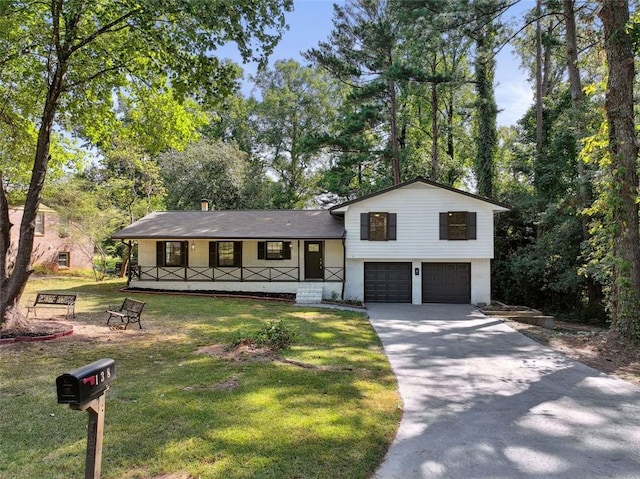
53 300
129 311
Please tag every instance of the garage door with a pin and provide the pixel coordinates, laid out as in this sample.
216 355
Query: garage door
446 283
387 282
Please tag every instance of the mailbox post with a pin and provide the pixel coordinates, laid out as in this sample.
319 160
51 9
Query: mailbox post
84 390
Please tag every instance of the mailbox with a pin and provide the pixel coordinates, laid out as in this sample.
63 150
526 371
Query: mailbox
86 383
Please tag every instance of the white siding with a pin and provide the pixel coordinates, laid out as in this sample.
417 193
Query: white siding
480 278
329 288
199 258
418 207
147 252
418 235
199 254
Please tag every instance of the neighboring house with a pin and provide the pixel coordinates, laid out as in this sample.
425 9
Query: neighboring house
55 247
416 242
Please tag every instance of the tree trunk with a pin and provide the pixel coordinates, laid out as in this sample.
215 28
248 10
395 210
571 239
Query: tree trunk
487 114
14 282
539 92
434 131
5 249
571 48
395 151
594 289
623 147
577 100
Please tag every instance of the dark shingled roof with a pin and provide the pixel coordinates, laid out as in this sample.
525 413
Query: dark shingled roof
426 182
258 224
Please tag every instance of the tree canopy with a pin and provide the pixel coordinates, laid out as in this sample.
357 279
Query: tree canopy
400 88
62 62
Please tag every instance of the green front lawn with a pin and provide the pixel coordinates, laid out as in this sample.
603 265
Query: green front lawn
330 412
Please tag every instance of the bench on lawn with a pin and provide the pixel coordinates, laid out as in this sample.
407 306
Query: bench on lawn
129 311
53 300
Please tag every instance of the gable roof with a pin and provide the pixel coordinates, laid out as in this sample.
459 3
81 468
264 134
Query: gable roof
501 206
42 208
235 224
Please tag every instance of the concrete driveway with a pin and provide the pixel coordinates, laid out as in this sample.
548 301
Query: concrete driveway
484 401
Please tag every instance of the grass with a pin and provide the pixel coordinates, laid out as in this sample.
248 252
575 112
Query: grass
172 410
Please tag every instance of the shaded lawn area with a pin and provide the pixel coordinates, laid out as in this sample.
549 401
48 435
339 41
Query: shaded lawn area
173 410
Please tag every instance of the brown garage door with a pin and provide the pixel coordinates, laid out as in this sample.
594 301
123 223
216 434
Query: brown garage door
446 283
387 282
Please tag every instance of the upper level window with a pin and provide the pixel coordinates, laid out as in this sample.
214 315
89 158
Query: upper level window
63 227
378 226
39 223
171 253
274 250
458 225
225 254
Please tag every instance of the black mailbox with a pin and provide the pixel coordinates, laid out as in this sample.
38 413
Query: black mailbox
85 383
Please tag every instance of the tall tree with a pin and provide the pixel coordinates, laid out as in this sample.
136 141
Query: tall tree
361 52
624 296
208 169
61 57
485 35
436 87
297 109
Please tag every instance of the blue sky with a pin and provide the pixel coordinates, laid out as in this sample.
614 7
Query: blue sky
311 22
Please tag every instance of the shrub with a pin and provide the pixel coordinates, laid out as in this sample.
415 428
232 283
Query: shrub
276 335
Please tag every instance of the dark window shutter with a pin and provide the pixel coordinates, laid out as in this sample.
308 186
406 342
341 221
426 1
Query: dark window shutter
213 254
364 226
184 250
286 250
262 250
444 226
237 254
160 253
391 226
471 225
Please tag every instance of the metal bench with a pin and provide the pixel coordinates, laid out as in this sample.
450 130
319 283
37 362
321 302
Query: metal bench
130 311
53 300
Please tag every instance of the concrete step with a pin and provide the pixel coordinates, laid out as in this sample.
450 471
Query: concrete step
309 294
547 322
531 312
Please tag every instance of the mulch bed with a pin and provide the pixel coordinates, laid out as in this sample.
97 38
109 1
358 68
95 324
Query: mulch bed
37 331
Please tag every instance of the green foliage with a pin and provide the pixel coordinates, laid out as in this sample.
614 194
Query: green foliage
275 335
231 122
155 121
297 108
237 418
62 64
92 213
209 169
362 52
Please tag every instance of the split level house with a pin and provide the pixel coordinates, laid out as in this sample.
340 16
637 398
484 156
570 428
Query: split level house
416 242
56 245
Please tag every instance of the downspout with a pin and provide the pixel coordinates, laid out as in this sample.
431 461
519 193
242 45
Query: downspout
344 266
344 255
299 272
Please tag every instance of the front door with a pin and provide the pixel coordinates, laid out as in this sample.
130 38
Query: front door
313 260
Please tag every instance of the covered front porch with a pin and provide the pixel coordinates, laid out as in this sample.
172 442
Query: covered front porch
241 266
